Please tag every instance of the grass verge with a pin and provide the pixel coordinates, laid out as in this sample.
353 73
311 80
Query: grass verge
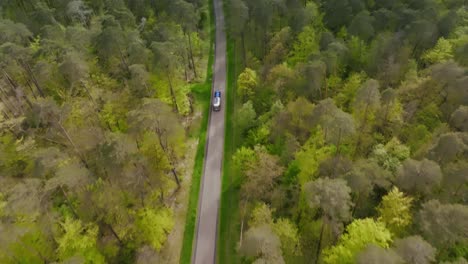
229 223
202 94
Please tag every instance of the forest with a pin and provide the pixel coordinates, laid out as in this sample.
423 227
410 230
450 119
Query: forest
350 140
97 121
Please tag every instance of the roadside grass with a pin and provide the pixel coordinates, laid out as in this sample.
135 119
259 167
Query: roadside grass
202 95
229 221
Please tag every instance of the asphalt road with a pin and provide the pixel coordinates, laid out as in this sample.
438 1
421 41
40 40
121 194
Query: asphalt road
210 193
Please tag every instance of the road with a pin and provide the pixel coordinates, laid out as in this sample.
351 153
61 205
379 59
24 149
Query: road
210 193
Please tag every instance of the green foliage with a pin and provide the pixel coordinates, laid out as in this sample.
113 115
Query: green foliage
14 156
3 204
429 116
261 215
442 51
359 234
311 155
395 211
391 155
289 236
246 84
416 136
245 117
79 239
307 44
114 116
243 157
30 244
359 51
154 226
345 98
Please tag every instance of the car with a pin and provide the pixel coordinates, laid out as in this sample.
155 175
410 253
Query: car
217 101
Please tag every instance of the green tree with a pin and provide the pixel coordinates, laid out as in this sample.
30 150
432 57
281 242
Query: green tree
333 197
79 239
288 235
442 51
154 226
359 234
245 118
395 211
306 45
366 105
309 157
246 84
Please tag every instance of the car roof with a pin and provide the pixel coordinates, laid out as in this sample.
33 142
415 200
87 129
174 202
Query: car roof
217 93
217 101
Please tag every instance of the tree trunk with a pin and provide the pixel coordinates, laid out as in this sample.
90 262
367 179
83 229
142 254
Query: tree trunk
191 56
68 202
171 88
244 53
174 173
73 145
28 70
170 158
317 253
361 130
114 233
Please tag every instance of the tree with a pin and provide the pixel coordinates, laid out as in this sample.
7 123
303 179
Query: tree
78 239
154 115
295 119
110 45
261 215
365 107
442 52
455 180
14 32
306 45
362 26
309 157
363 178
245 117
154 226
74 68
78 11
139 82
449 147
260 176
333 197
390 116
261 242
443 225
246 84
374 254
391 155
459 118
167 62
239 16
25 242
415 250
336 124
360 233
288 235
395 211
187 17
419 177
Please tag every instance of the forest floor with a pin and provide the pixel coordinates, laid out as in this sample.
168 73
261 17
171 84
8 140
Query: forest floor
170 253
